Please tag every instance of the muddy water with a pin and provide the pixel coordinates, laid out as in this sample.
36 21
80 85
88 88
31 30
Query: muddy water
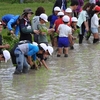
74 78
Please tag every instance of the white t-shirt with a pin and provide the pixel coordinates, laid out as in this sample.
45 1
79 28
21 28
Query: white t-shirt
64 30
95 21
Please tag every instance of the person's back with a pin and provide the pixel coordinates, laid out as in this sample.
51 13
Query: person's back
7 17
58 22
13 58
13 23
35 21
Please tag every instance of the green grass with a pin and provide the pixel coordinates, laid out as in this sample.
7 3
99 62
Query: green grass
17 9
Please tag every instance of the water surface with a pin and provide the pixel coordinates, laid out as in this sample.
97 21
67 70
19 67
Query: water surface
74 78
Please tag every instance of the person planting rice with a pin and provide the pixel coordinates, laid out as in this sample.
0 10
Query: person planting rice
11 22
30 50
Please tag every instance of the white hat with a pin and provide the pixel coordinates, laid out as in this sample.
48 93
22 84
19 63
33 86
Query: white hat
74 19
34 43
0 23
50 50
60 13
6 55
57 9
66 18
68 10
44 17
44 46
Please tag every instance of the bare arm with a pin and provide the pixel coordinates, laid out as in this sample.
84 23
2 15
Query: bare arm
29 59
44 63
6 46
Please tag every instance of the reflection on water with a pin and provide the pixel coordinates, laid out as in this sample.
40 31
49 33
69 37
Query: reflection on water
74 78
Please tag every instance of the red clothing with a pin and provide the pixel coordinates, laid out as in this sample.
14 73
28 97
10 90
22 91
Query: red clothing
58 22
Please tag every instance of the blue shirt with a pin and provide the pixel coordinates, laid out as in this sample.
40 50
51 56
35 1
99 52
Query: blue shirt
6 18
29 49
33 49
12 22
52 19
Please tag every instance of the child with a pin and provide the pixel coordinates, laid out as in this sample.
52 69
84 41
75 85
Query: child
95 24
68 12
41 57
56 24
30 50
74 27
42 37
54 16
74 24
65 33
5 56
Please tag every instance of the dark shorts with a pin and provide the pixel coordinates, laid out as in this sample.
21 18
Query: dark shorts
63 42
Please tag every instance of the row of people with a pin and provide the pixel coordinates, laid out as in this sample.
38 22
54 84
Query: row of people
87 22
61 22
28 50
22 52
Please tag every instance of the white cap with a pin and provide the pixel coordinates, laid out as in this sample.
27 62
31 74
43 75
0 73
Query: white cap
74 19
6 55
66 18
0 23
50 50
44 17
57 9
34 43
60 13
44 46
68 10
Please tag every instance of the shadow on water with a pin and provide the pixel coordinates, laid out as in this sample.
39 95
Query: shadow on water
74 78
